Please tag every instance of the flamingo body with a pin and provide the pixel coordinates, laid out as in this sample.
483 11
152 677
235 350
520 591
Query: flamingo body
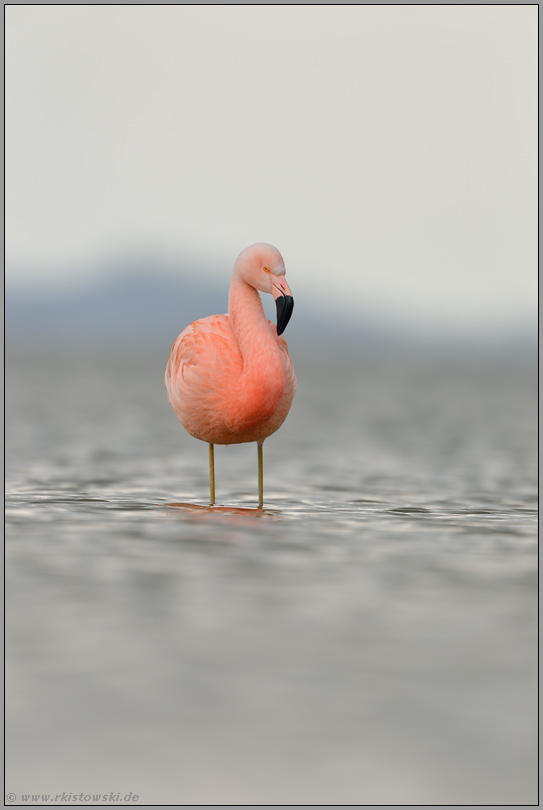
219 399
230 378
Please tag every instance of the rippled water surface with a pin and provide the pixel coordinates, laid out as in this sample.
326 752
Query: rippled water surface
367 638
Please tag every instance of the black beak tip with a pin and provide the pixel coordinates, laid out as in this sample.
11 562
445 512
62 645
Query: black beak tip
284 305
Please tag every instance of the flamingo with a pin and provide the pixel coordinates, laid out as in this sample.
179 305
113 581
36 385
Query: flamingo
230 378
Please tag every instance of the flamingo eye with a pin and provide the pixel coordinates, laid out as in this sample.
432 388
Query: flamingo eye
266 270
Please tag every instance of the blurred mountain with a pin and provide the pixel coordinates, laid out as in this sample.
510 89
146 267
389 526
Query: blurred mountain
146 306
121 308
142 307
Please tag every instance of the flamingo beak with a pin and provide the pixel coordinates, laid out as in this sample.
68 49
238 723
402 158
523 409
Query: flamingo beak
284 302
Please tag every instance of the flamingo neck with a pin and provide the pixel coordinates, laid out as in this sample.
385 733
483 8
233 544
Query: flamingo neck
256 341
247 316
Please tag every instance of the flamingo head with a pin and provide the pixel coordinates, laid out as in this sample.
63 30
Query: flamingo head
262 267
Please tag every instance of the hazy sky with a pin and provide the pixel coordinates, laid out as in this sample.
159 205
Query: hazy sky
388 151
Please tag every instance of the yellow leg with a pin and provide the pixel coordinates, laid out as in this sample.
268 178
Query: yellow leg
211 475
260 477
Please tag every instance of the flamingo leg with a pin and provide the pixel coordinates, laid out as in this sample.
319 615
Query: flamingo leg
211 475
260 476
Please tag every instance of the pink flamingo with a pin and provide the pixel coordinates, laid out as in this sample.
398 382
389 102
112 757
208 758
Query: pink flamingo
230 378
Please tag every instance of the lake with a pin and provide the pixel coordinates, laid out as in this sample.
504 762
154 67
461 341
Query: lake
370 637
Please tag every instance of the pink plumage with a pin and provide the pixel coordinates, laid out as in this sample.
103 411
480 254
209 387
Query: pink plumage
230 378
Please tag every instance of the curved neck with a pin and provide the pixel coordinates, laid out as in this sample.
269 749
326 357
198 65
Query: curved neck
255 395
252 331
249 322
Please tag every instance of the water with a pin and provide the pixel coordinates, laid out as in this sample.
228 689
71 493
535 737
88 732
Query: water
369 638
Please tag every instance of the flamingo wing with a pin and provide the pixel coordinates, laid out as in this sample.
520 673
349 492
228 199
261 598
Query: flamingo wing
204 364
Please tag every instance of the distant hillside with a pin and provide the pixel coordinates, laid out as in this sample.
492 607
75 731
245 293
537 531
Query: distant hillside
127 307
144 307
